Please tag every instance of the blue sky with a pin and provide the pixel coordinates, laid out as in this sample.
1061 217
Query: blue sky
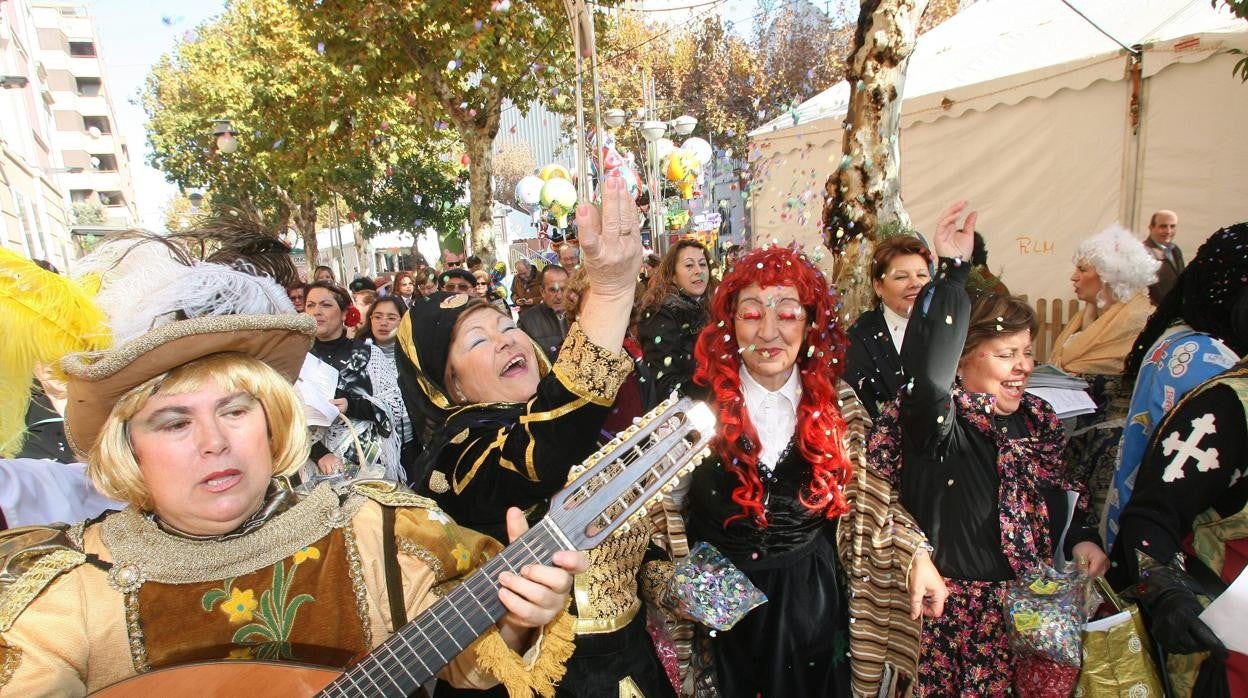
133 35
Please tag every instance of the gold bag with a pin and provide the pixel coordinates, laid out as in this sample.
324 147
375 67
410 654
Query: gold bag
1117 662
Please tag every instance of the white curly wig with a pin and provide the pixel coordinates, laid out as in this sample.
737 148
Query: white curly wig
1122 262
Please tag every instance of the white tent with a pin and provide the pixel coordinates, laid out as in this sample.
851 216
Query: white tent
1026 109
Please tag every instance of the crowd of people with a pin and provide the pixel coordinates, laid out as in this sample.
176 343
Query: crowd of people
882 480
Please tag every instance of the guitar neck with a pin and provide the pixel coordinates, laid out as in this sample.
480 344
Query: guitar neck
419 650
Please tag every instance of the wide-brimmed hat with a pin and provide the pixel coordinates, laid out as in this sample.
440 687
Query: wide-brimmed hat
97 380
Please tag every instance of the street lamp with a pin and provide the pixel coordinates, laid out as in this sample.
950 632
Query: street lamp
684 124
196 198
615 118
225 133
652 130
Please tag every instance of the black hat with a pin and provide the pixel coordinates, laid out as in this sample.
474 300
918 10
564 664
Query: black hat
456 273
363 283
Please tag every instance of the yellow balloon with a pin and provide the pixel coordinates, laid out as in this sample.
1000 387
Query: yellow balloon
554 171
677 169
685 187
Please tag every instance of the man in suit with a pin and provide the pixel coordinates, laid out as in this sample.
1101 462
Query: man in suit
545 323
1160 243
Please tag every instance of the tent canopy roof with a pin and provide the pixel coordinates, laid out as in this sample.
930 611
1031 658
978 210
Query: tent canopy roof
1004 51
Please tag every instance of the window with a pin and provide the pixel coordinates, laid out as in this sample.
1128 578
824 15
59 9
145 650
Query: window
89 87
99 123
80 196
104 162
82 49
112 198
32 245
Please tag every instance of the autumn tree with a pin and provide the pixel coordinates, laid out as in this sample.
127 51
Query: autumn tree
456 62
298 116
513 161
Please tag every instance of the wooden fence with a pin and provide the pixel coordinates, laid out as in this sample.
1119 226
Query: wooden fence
1053 315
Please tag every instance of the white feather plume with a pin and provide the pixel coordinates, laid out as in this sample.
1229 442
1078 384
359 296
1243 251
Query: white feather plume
143 285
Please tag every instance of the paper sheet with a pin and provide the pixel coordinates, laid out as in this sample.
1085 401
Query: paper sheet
1225 616
1066 403
1059 557
316 385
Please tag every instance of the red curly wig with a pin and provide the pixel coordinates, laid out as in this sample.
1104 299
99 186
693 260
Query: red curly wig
820 428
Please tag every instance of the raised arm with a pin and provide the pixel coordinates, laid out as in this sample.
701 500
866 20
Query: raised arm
936 334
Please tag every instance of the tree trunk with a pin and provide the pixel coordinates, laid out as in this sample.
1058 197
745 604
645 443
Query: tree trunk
361 249
304 218
480 193
865 190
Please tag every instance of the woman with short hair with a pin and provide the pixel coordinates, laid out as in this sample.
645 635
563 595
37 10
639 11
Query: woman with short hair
900 267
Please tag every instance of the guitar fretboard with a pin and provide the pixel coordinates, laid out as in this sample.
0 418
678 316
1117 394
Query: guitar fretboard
419 650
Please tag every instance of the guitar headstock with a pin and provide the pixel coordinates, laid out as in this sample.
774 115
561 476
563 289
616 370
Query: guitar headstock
620 480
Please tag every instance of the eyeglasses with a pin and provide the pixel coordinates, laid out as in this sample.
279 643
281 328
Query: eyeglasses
787 313
457 287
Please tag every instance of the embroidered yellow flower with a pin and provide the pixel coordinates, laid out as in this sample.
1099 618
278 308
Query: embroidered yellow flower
244 653
304 554
240 606
462 557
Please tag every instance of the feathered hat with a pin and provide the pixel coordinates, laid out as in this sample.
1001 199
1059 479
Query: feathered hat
166 307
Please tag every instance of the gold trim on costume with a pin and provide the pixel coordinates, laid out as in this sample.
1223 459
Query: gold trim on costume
390 494
134 633
134 539
422 553
409 348
18 595
629 689
590 371
12 658
556 645
357 582
606 593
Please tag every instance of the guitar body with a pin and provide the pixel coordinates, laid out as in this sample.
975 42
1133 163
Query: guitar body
225 679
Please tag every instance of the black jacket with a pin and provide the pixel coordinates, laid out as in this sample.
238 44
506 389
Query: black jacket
668 334
546 327
872 365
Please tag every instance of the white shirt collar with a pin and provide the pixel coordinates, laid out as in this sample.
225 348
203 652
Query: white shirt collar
896 325
773 413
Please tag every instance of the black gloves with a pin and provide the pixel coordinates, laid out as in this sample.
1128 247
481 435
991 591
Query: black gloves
1168 595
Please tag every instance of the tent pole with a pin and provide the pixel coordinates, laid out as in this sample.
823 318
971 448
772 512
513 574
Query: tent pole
1131 170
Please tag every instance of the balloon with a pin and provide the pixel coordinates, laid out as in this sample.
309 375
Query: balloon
559 197
554 171
677 169
529 190
692 163
699 148
631 180
663 148
612 160
685 187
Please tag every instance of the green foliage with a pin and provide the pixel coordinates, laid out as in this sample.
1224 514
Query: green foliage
298 115
87 213
455 62
416 193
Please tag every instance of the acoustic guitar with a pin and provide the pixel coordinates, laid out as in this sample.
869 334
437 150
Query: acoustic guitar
613 486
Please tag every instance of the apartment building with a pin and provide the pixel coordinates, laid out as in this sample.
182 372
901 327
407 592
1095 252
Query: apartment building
87 134
34 215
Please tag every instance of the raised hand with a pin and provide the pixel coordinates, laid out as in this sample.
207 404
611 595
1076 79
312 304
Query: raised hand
952 239
610 239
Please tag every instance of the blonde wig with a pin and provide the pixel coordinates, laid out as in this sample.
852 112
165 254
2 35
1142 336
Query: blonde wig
112 466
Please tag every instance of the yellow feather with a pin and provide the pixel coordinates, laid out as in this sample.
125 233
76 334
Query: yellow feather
43 316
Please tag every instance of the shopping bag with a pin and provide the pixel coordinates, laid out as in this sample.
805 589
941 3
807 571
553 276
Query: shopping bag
1116 658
